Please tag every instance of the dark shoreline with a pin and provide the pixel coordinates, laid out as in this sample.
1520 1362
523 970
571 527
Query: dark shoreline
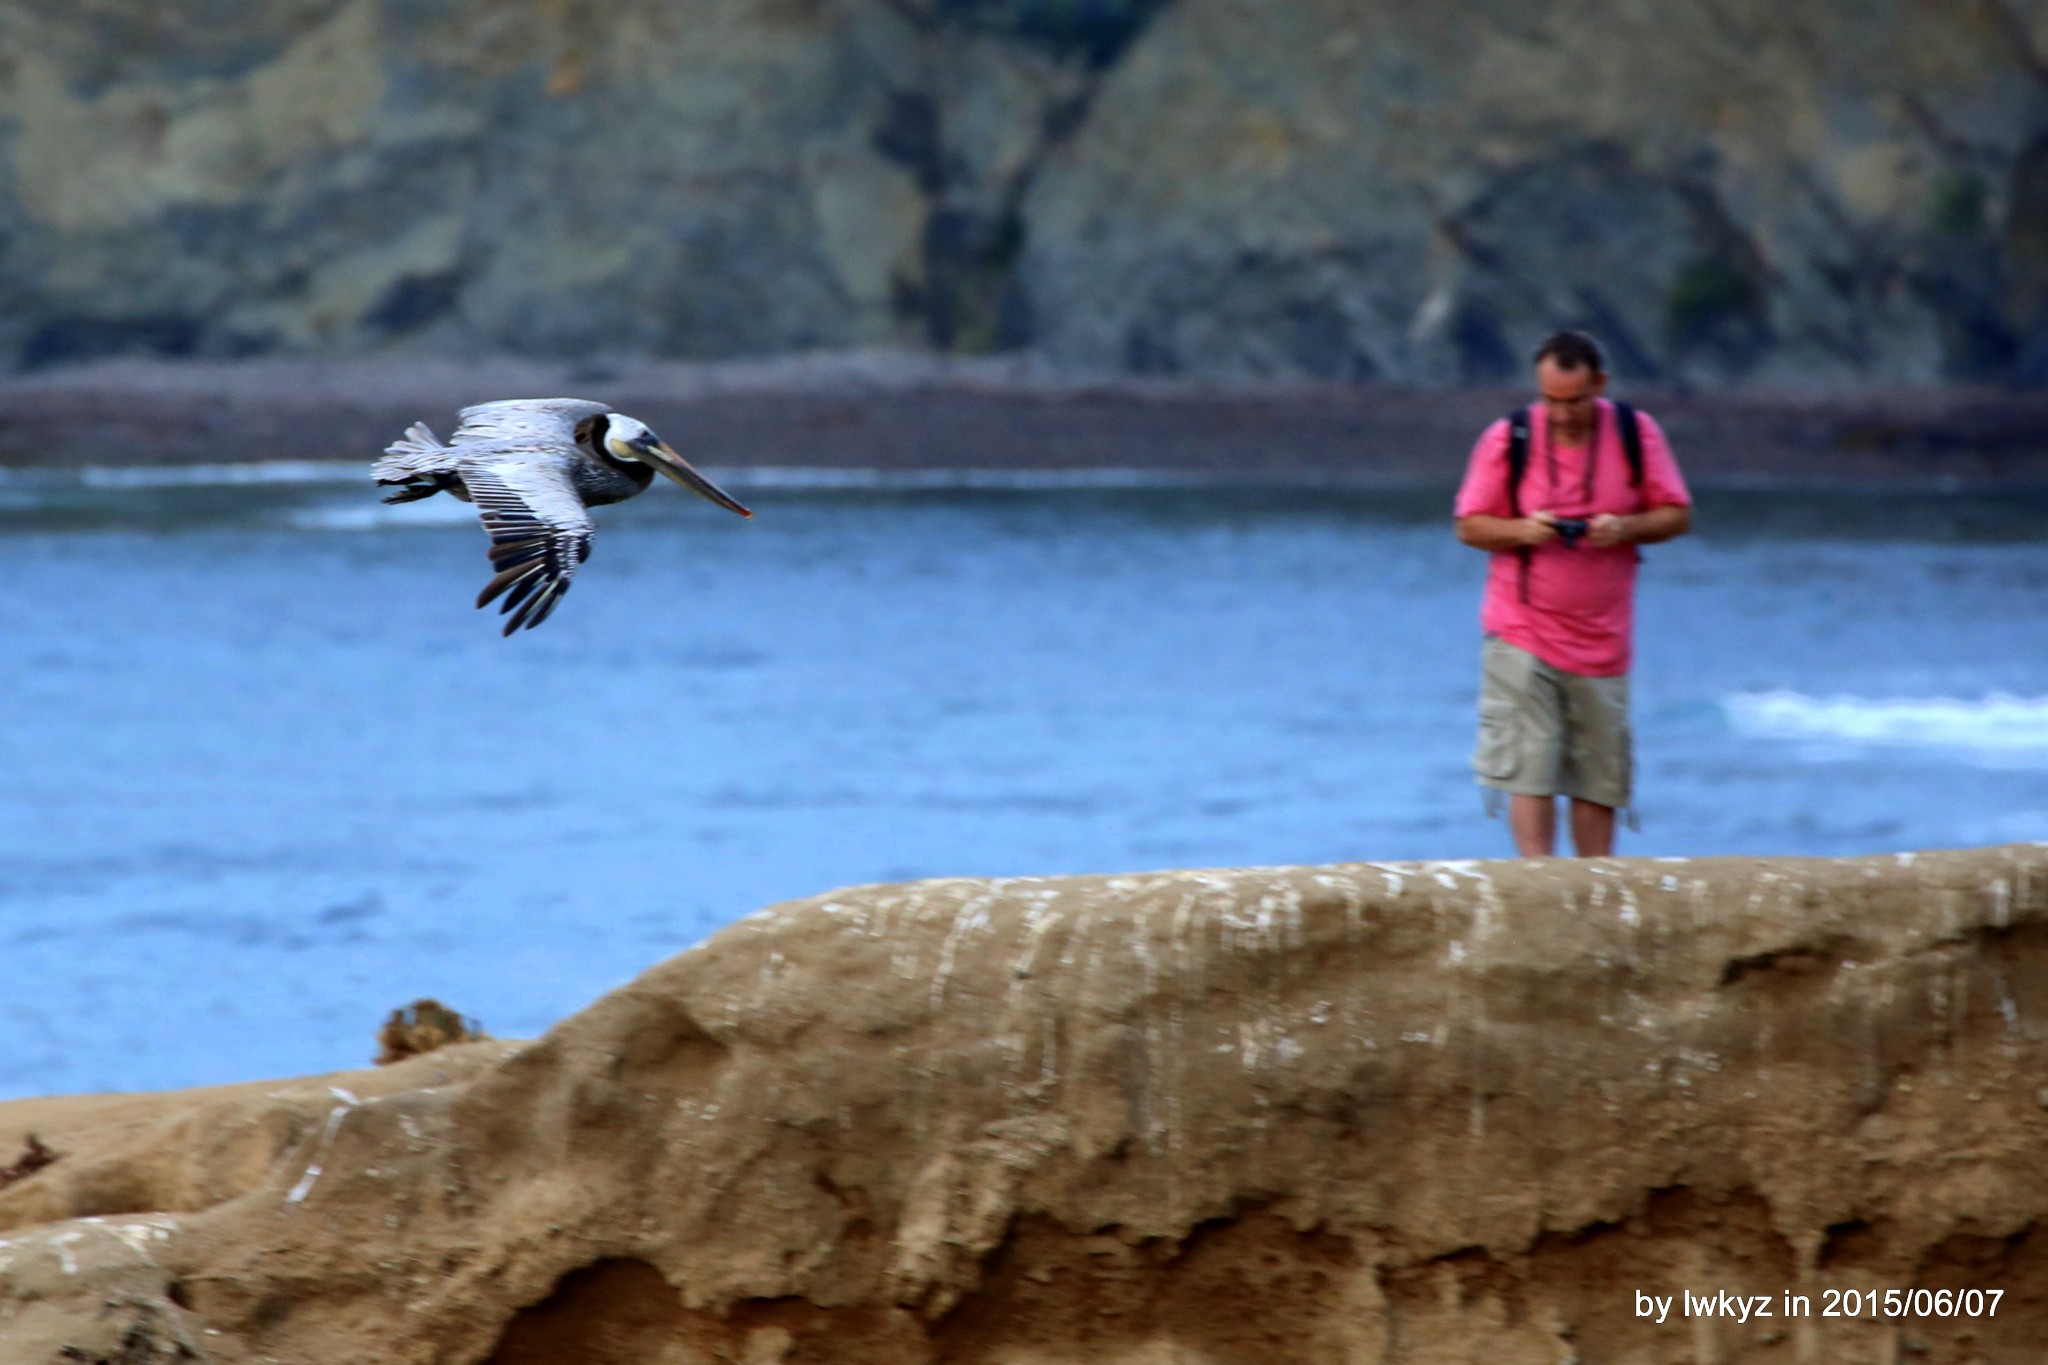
899 412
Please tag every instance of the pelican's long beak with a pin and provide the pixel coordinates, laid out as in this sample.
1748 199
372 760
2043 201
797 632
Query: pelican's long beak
662 456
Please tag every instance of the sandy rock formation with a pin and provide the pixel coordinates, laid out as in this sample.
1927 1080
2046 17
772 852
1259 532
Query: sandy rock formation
1373 1113
1834 191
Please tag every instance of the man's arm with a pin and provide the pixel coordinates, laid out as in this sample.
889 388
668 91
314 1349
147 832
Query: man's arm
1483 532
1644 528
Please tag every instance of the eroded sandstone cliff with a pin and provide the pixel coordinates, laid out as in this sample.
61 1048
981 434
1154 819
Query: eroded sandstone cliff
1839 191
1374 1113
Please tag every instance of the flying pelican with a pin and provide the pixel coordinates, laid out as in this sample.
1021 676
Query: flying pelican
533 466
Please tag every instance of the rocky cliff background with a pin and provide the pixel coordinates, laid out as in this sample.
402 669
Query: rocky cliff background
1844 193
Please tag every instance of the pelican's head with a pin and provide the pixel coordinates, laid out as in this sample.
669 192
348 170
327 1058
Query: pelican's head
630 439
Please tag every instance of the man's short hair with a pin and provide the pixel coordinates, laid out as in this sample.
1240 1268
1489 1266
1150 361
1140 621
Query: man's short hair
1572 351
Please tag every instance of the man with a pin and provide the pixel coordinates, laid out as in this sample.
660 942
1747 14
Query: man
1553 698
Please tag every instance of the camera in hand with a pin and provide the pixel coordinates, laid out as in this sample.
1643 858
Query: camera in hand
1570 529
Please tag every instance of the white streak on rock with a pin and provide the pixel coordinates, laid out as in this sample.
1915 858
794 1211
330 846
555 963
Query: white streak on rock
306 1182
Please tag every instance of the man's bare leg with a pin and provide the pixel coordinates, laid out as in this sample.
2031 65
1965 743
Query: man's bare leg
1592 829
1533 822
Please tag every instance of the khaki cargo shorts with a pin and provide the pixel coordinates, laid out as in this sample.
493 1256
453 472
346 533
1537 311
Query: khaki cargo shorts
1546 732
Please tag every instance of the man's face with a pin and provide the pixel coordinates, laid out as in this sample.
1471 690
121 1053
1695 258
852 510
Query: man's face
1568 394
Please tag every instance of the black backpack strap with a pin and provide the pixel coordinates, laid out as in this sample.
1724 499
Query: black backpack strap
1518 464
1631 441
1518 458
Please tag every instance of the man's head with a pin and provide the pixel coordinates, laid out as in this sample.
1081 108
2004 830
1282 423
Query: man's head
1570 374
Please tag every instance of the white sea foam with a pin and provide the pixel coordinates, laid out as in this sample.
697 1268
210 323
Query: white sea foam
1998 730
373 515
795 477
1029 480
205 475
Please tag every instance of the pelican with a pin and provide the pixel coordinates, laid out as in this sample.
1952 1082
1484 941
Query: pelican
533 467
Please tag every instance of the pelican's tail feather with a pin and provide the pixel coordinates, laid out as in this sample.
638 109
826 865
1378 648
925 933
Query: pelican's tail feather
417 464
417 452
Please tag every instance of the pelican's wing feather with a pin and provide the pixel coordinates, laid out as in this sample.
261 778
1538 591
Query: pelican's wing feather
540 531
526 421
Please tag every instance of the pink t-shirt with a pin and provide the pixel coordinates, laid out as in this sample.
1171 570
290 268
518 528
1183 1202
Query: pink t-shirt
1581 598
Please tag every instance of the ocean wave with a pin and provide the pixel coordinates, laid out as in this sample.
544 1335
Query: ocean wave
371 515
1997 729
209 475
377 516
802 478
795 477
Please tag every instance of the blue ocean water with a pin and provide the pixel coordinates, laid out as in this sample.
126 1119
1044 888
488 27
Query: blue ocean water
268 776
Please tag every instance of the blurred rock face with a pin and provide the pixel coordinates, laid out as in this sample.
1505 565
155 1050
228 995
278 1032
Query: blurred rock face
1833 192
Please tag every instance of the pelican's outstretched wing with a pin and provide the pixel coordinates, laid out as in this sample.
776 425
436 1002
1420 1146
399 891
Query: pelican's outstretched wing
528 422
540 532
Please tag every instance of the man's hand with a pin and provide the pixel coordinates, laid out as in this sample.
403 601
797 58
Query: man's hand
1644 528
1538 528
1507 533
1609 529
